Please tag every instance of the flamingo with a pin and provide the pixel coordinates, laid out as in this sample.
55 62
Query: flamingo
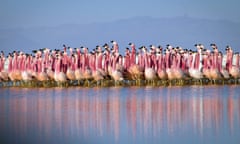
87 72
194 71
133 65
169 71
206 64
3 72
96 66
59 76
222 70
234 69
77 66
26 75
10 68
50 67
176 63
149 72
161 69
14 72
214 70
178 72
41 74
99 64
71 69
97 76
17 72
115 71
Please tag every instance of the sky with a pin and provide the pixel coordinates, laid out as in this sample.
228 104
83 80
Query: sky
27 24
35 13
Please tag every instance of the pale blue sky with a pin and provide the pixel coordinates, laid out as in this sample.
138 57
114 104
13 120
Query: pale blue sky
31 13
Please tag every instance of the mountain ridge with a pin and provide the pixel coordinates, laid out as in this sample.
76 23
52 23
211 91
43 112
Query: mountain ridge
178 31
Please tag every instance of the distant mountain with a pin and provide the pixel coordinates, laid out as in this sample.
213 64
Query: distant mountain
178 31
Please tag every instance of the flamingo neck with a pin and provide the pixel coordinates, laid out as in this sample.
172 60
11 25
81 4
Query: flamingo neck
179 61
57 66
200 60
193 61
237 60
146 60
220 63
133 55
230 59
167 60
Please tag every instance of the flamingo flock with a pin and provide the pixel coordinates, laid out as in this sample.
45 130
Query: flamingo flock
105 66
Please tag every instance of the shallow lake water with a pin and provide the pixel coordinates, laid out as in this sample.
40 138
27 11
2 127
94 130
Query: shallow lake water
192 114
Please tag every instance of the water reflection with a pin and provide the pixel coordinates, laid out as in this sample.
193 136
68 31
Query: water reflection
115 113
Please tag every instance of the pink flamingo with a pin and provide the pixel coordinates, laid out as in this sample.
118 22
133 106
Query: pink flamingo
214 70
71 67
50 67
96 64
115 72
59 75
196 67
206 64
26 75
169 71
234 69
41 74
178 73
10 68
161 68
3 72
78 72
16 66
87 72
149 72
194 71
97 74
222 70
100 61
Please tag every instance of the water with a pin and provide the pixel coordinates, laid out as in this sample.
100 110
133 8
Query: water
195 114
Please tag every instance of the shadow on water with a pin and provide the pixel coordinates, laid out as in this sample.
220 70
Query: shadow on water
206 114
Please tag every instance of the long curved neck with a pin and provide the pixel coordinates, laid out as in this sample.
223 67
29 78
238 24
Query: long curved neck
146 60
179 61
230 59
193 61
57 66
200 60
167 57
10 66
237 60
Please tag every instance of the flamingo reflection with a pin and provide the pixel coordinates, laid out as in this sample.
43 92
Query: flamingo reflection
79 114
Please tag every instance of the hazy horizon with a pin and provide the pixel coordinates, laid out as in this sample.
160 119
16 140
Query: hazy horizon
26 25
